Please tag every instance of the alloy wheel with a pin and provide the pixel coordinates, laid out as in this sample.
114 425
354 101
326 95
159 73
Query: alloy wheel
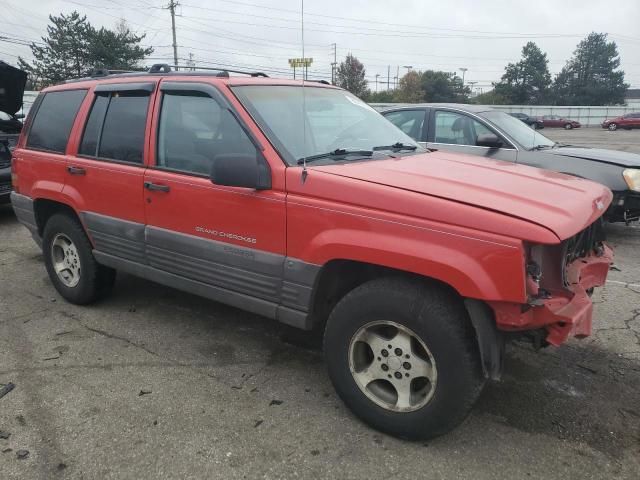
65 260
392 366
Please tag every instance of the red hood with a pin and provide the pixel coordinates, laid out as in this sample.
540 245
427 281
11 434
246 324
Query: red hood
561 203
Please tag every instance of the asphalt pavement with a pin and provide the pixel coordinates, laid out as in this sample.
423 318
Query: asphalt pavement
156 383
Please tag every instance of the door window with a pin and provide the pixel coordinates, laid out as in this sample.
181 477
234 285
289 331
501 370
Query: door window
116 126
457 128
409 121
54 119
194 129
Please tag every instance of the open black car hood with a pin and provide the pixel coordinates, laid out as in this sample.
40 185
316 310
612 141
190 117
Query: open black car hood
615 157
12 83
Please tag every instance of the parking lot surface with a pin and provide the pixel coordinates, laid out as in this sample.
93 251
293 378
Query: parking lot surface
595 137
155 383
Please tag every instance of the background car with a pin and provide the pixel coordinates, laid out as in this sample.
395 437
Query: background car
628 121
533 122
12 83
495 135
558 122
10 123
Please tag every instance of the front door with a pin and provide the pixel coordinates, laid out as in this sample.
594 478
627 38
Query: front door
228 239
105 174
458 132
410 121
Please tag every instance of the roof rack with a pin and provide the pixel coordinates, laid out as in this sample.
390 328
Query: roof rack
186 69
166 69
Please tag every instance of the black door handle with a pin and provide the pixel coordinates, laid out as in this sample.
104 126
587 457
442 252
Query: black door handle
76 170
154 187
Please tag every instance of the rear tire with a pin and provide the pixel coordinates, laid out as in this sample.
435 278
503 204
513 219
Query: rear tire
442 343
68 256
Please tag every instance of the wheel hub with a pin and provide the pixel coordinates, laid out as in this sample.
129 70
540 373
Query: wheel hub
392 366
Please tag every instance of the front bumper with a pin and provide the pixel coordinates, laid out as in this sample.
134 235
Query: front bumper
565 314
625 207
5 184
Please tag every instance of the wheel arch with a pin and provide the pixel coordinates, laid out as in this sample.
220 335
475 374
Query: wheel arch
44 209
340 276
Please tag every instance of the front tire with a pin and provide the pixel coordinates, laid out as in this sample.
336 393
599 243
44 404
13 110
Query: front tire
612 127
68 256
568 126
403 357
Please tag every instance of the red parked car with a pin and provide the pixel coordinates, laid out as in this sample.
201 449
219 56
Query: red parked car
313 210
557 121
627 121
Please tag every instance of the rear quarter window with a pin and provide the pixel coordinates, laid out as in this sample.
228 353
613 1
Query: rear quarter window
54 119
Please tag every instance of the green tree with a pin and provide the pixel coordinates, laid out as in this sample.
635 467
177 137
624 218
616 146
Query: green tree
117 50
444 87
489 98
381 96
350 76
65 51
410 88
591 76
73 47
528 81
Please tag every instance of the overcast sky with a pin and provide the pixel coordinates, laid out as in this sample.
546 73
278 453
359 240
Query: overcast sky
480 35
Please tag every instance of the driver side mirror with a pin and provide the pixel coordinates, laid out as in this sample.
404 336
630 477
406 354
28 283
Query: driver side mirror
241 170
19 116
488 140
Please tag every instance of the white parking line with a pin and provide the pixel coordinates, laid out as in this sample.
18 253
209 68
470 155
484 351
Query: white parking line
625 284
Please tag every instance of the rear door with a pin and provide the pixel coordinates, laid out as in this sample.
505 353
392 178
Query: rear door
457 131
229 240
44 154
105 175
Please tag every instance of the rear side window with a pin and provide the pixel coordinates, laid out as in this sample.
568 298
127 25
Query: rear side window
116 126
53 121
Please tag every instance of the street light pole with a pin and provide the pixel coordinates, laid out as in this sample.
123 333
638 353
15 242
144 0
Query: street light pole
463 70
377 75
408 67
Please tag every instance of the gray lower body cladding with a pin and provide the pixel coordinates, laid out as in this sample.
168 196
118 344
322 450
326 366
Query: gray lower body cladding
25 212
265 283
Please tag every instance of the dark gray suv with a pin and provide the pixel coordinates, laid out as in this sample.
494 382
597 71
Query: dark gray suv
495 135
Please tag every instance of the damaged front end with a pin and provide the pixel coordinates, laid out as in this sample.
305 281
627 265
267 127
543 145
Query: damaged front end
560 281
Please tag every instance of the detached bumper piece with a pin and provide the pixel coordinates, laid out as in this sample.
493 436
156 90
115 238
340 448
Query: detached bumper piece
563 314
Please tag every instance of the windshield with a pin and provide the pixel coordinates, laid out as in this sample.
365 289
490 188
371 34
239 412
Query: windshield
526 136
335 120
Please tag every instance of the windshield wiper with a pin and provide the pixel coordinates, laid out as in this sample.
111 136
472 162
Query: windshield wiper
396 147
335 155
541 147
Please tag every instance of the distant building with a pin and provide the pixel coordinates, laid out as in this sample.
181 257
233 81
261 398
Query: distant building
632 97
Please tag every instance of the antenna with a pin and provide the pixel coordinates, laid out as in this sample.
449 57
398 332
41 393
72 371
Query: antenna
304 107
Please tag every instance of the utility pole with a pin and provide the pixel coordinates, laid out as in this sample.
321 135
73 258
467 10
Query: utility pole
172 8
191 62
472 86
334 65
377 75
397 75
388 76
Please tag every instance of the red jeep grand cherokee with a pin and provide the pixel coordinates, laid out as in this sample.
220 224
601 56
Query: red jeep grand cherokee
306 206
